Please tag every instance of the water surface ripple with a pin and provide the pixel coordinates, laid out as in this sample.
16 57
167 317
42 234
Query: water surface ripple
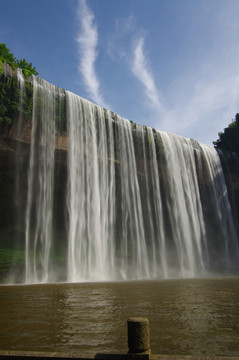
193 316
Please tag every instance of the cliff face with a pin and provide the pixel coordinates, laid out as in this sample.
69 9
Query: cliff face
16 110
16 100
230 165
125 167
16 128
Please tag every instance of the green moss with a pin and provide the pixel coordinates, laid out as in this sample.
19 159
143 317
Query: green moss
9 100
10 258
10 103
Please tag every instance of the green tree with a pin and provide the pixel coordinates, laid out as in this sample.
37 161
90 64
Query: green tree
26 67
7 57
229 139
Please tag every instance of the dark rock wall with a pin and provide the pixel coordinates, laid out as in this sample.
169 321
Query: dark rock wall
14 162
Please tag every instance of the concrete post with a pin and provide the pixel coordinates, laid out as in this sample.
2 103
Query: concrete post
138 336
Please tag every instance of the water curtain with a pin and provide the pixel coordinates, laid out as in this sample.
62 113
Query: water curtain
136 203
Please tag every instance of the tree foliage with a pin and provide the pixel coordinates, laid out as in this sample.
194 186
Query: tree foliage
12 101
7 57
229 139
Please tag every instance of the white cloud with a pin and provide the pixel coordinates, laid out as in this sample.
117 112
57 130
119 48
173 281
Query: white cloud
142 72
120 37
203 96
88 41
205 103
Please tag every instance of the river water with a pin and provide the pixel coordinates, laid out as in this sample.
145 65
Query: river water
193 316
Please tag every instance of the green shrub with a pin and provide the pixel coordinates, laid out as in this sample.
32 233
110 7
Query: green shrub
229 139
7 57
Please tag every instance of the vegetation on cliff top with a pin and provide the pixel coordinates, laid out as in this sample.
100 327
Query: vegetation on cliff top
229 139
10 91
7 57
12 102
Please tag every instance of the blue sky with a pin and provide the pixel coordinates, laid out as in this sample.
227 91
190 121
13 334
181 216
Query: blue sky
169 64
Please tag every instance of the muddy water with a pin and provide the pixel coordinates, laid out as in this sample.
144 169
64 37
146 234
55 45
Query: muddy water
186 316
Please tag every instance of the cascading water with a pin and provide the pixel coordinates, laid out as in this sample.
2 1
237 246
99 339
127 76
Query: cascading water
90 196
18 131
40 183
152 203
183 205
137 203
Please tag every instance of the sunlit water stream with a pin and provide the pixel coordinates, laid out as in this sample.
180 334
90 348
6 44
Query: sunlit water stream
193 316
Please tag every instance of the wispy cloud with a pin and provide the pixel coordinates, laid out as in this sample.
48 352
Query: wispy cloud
120 37
205 96
198 100
87 41
205 105
141 71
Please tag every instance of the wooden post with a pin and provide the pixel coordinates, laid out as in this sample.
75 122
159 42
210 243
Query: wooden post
138 336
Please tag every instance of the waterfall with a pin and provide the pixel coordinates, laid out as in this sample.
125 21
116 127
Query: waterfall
90 196
137 203
40 183
17 130
153 213
18 213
